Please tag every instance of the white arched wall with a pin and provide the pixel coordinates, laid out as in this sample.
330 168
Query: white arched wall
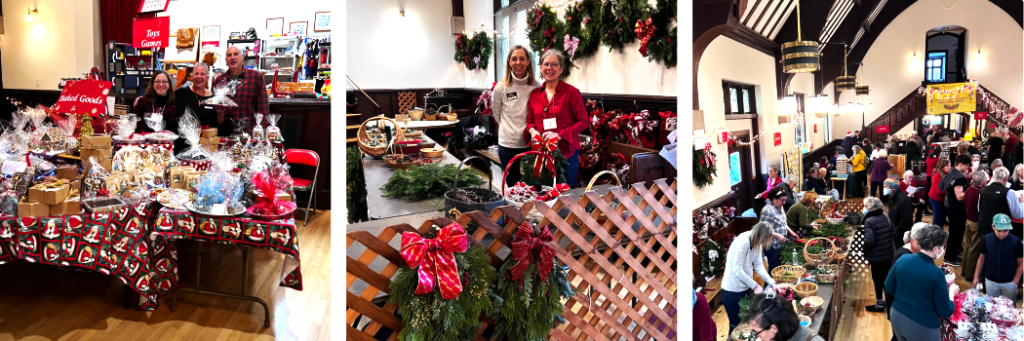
893 71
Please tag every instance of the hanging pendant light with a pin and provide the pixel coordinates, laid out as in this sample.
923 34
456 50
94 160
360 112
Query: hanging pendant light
846 82
800 56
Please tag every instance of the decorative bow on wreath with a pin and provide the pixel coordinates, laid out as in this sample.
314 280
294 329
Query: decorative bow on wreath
645 32
537 14
526 245
708 160
570 45
435 259
549 35
670 120
554 193
546 158
639 127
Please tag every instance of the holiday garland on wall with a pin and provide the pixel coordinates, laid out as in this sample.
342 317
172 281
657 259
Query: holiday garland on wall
582 29
620 31
532 286
545 31
704 168
475 52
663 45
445 287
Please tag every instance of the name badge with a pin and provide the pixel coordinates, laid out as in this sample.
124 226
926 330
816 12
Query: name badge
550 124
208 108
511 96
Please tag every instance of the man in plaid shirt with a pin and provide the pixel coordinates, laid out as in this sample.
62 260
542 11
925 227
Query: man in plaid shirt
249 87
774 216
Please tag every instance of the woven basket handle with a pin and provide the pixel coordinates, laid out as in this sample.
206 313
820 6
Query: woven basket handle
554 178
599 174
455 183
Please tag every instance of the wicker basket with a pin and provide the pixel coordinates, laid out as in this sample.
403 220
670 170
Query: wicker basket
363 138
828 279
806 289
415 114
436 152
788 273
534 215
828 254
398 165
810 305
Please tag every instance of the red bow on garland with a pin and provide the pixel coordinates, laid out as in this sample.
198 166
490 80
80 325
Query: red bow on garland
526 244
435 259
554 193
537 14
546 159
549 35
644 31
639 126
708 159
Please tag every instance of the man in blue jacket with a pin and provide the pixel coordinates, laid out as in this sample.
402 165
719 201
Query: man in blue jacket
1001 260
848 142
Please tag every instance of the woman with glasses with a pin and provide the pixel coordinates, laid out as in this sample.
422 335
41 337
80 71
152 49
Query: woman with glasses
158 99
772 318
557 110
922 296
509 102
192 97
743 260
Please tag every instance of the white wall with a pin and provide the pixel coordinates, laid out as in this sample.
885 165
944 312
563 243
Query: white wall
235 16
725 59
893 71
62 42
477 13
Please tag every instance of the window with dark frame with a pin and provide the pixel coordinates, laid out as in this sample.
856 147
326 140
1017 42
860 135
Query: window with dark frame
935 67
739 99
801 126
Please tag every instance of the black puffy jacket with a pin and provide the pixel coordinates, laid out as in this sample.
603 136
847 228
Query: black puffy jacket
901 213
878 238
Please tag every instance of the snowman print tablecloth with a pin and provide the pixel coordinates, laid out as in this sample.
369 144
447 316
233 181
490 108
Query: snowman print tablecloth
112 243
278 236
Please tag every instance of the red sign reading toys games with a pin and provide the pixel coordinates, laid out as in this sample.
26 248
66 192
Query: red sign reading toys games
151 32
84 97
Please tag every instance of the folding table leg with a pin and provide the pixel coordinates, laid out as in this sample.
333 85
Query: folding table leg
242 296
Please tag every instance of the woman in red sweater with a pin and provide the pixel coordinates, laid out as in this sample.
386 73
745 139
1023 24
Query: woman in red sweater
557 109
935 196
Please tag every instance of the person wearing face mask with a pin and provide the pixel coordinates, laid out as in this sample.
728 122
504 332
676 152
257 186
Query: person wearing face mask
901 207
975 163
557 110
772 319
191 97
158 98
971 236
955 184
910 247
742 261
879 245
917 200
1001 262
922 297
508 102
250 92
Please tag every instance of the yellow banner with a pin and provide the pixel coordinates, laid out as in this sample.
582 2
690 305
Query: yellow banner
952 98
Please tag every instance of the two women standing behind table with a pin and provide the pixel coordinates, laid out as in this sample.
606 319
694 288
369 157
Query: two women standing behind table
159 98
509 104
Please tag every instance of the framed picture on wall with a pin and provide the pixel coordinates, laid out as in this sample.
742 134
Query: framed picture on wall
297 28
275 26
210 33
322 21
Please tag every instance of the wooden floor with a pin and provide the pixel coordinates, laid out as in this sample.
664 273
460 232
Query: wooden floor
40 302
857 324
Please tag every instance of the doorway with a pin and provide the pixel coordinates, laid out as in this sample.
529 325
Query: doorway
741 172
944 55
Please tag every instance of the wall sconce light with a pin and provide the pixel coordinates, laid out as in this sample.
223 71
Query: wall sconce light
31 17
401 13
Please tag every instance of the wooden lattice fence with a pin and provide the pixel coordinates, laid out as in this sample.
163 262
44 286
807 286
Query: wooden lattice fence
619 249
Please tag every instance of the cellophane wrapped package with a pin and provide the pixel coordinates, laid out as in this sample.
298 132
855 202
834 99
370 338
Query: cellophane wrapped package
124 131
241 125
67 126
268 183
273 132
219 186
257 131
155 121
221 97
95 179
189 128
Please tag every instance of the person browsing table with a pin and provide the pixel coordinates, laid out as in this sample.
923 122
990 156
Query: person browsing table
557 109
250 91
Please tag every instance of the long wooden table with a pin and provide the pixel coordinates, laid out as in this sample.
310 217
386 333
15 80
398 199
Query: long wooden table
377 173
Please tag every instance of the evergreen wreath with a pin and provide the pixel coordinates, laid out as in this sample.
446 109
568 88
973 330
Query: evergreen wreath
430 317
583 21
475 52
546 31
531 306
618 31
526 168
663 47
428 181
708 267
702 172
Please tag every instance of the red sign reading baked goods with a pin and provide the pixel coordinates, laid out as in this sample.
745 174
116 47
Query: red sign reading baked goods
151 32
147 6
882 129
84 97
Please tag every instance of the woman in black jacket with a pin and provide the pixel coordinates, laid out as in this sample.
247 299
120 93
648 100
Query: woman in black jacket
879 245
913 152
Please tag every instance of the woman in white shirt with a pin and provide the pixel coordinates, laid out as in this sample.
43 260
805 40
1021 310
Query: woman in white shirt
508 102
744 259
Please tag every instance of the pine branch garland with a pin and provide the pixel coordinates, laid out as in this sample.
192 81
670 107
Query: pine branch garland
663 47
429 181
355 193
619 31
430 317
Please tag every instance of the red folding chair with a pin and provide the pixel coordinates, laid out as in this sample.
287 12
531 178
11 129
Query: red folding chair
304 157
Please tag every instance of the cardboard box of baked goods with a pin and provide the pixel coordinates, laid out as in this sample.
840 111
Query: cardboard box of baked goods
32 209
101 154
282 196
178 176
96 141
49 193
68 172
71 205
209 132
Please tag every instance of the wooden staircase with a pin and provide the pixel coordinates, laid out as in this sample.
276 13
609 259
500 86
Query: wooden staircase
913 107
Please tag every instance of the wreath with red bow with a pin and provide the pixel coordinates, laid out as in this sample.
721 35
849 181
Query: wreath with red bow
544 170
619 31
444 287
546 31
532 286
662 46
583 21
704 168
475 52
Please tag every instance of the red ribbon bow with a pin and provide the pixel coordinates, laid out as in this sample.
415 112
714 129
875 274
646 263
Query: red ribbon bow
537 14
549 34
644 31
546 159
555 193
525 245
435 259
